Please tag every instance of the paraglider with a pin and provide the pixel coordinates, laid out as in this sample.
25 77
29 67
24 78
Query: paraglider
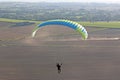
71 24
58 65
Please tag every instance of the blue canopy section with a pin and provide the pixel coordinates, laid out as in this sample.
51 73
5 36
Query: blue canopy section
59 22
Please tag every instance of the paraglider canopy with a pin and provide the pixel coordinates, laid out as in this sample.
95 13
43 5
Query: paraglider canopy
71 24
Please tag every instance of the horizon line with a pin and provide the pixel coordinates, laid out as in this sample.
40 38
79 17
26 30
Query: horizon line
59 2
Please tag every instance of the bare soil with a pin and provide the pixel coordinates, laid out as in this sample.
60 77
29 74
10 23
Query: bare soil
35 59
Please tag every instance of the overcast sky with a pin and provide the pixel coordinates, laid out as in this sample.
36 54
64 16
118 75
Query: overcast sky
98 1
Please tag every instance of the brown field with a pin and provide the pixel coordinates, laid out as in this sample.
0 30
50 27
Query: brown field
24 58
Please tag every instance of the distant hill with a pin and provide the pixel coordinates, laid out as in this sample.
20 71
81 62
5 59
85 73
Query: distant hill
73 11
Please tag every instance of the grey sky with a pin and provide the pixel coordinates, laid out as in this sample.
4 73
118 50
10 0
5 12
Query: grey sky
106 1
